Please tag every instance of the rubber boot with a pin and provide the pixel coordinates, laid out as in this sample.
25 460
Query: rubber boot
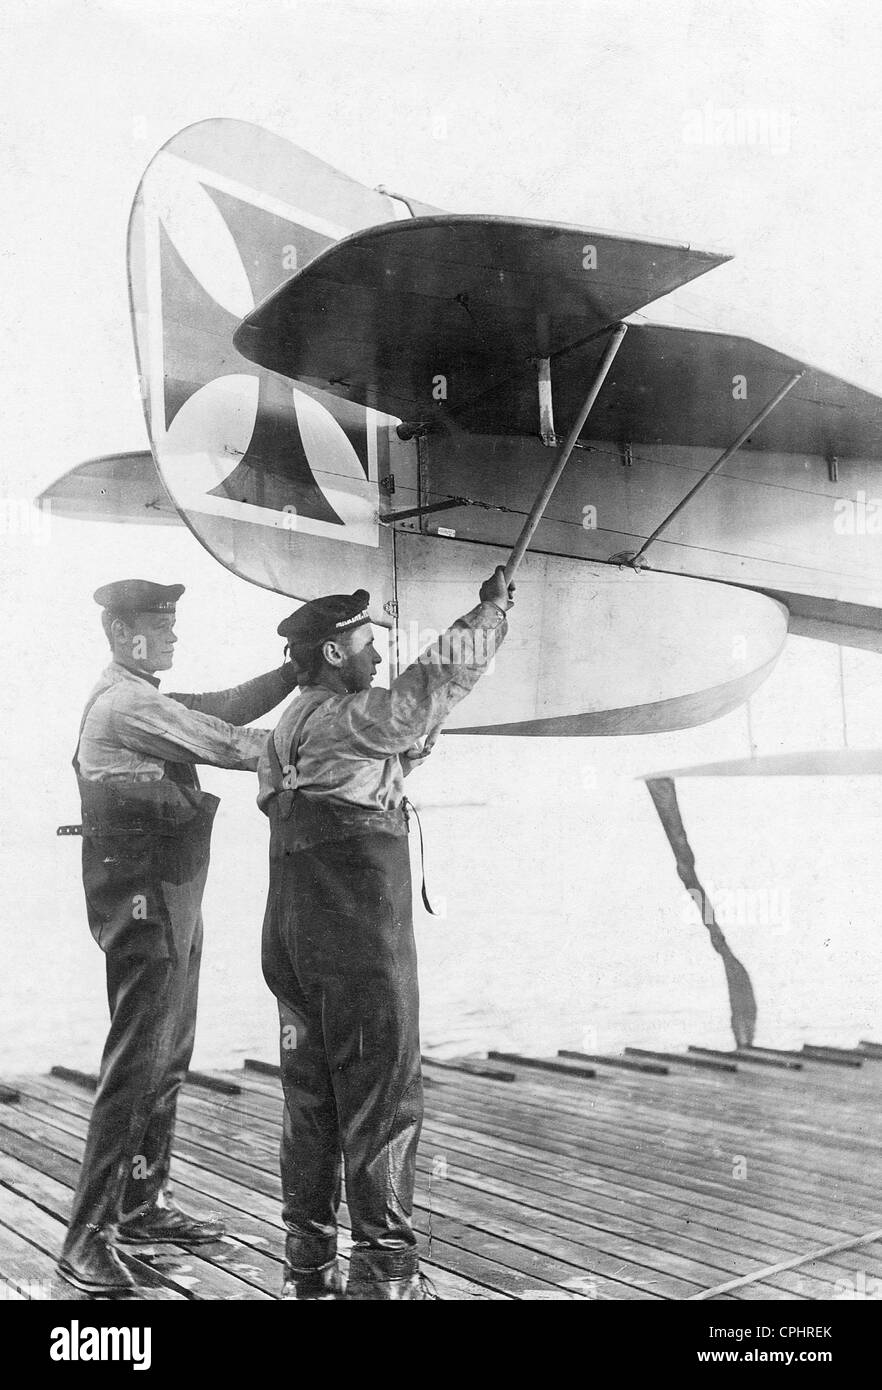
90 1263
384 1276
323 1285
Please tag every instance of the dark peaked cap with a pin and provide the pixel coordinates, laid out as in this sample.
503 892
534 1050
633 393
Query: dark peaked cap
324 618
138 596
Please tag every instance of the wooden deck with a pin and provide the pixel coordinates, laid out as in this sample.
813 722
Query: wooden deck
703 1175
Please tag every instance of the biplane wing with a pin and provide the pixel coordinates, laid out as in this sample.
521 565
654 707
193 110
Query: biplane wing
442 320
386 313
286 317
438 315
115 487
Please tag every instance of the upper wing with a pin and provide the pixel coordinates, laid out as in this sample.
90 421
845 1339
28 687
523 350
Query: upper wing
444 317
382 315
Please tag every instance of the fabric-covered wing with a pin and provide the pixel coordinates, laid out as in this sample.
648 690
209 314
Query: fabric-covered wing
115 487
689 387
384 314
443 318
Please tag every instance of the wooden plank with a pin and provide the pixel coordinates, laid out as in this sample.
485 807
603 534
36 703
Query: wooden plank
648 1068
543 1064
26 1271
470 1068
213 1083
8 1095
785 1052
681 1057
263 1068
739 1055
88 1080
831 1054
854 1052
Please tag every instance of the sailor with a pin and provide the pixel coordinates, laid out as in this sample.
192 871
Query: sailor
146 831
338 944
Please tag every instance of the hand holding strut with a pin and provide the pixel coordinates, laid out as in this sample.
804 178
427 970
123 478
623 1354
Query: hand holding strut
497 590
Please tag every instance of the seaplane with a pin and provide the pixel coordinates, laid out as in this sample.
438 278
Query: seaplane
344 387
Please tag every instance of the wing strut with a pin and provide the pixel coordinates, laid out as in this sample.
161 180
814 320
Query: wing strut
537 511
633 560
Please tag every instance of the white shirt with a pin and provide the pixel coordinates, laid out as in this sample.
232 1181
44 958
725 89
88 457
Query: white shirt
131 729
350 745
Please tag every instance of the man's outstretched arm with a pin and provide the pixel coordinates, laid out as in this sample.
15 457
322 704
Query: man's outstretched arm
242 703
145 721
380 723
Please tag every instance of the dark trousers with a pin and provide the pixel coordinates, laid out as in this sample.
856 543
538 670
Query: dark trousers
152 955
339 955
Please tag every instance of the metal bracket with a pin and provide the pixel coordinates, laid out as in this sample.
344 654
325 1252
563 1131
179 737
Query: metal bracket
381 188
387 484
546 405
543 497
391 517
632 558
412 429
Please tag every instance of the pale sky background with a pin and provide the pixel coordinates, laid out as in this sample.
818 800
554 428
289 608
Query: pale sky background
574 111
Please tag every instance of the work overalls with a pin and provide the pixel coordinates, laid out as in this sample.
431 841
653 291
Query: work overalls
340 957
145 860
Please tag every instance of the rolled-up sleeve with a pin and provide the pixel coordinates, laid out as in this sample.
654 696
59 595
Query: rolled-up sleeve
148 722
380 723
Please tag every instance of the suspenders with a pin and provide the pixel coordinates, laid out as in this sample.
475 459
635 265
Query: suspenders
285 797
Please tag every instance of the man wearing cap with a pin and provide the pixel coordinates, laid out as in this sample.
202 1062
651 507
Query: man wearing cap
146 832
338 946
